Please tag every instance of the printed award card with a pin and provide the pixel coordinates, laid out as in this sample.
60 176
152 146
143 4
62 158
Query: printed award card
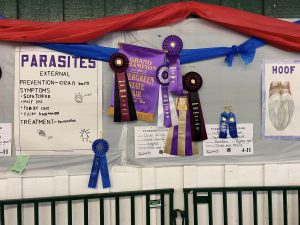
242 145
150 141
5 139
58 102
281 99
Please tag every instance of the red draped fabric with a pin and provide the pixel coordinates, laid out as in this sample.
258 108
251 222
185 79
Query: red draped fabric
276 32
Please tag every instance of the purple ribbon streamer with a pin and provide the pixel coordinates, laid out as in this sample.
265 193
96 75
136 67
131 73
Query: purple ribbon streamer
188 136
179 79
175 76
174 145
166 106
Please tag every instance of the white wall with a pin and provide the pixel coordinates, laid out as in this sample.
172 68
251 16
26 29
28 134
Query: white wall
130 178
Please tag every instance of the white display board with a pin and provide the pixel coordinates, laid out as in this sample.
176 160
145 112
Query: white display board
58 102
281 99
239 86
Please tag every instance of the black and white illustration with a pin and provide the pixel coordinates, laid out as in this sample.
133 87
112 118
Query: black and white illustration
281 104
281 112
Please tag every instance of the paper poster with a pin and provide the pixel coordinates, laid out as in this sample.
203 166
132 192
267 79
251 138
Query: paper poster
281 99
215 146
5 139
150 141
58 102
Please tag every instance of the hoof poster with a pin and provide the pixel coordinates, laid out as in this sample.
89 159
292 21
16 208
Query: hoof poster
281 99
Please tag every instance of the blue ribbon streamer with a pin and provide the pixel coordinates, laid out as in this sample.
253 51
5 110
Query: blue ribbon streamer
100 147
246 50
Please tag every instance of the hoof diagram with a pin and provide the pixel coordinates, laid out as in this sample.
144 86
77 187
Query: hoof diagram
281 105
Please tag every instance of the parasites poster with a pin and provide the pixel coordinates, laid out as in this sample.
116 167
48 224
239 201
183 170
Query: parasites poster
281 99
58 102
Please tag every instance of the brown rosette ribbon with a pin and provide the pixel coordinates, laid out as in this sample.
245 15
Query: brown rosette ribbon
124 109
192 82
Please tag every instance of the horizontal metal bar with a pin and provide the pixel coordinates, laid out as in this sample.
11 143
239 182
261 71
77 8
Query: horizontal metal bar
202 200
89 196
244 189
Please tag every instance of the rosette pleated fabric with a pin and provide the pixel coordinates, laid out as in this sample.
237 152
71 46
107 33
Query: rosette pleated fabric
124 109
179 139
192 82
167 115
173 45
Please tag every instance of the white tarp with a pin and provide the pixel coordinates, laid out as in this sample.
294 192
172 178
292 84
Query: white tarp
238 86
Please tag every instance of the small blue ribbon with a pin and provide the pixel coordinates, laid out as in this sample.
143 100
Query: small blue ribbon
100 147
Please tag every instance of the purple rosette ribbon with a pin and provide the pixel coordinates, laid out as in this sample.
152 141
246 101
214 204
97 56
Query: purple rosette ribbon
192 83
166 104
100 148
173 46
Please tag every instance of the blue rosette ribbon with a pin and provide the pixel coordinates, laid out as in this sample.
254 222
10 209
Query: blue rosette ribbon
100 148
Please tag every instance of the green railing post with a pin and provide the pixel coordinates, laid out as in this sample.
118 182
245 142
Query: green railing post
19 214
240 207
36 213
86 211
255 218
171 207
285 210
132 206
101 206
186 207
2 214
162 209
270 208
53 211
69 212
225 214
117 200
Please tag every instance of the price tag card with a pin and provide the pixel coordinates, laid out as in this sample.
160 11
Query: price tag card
150 142
215 146
5 139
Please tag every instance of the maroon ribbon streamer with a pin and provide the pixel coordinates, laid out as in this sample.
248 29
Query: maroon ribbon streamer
124 109
123 96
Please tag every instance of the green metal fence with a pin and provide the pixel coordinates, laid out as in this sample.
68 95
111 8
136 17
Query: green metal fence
113 196
205 196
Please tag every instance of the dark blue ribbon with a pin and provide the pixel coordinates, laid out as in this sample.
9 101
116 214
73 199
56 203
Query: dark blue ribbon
100 147
246 50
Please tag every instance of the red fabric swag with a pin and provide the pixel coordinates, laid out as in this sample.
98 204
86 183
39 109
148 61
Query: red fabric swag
276 32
